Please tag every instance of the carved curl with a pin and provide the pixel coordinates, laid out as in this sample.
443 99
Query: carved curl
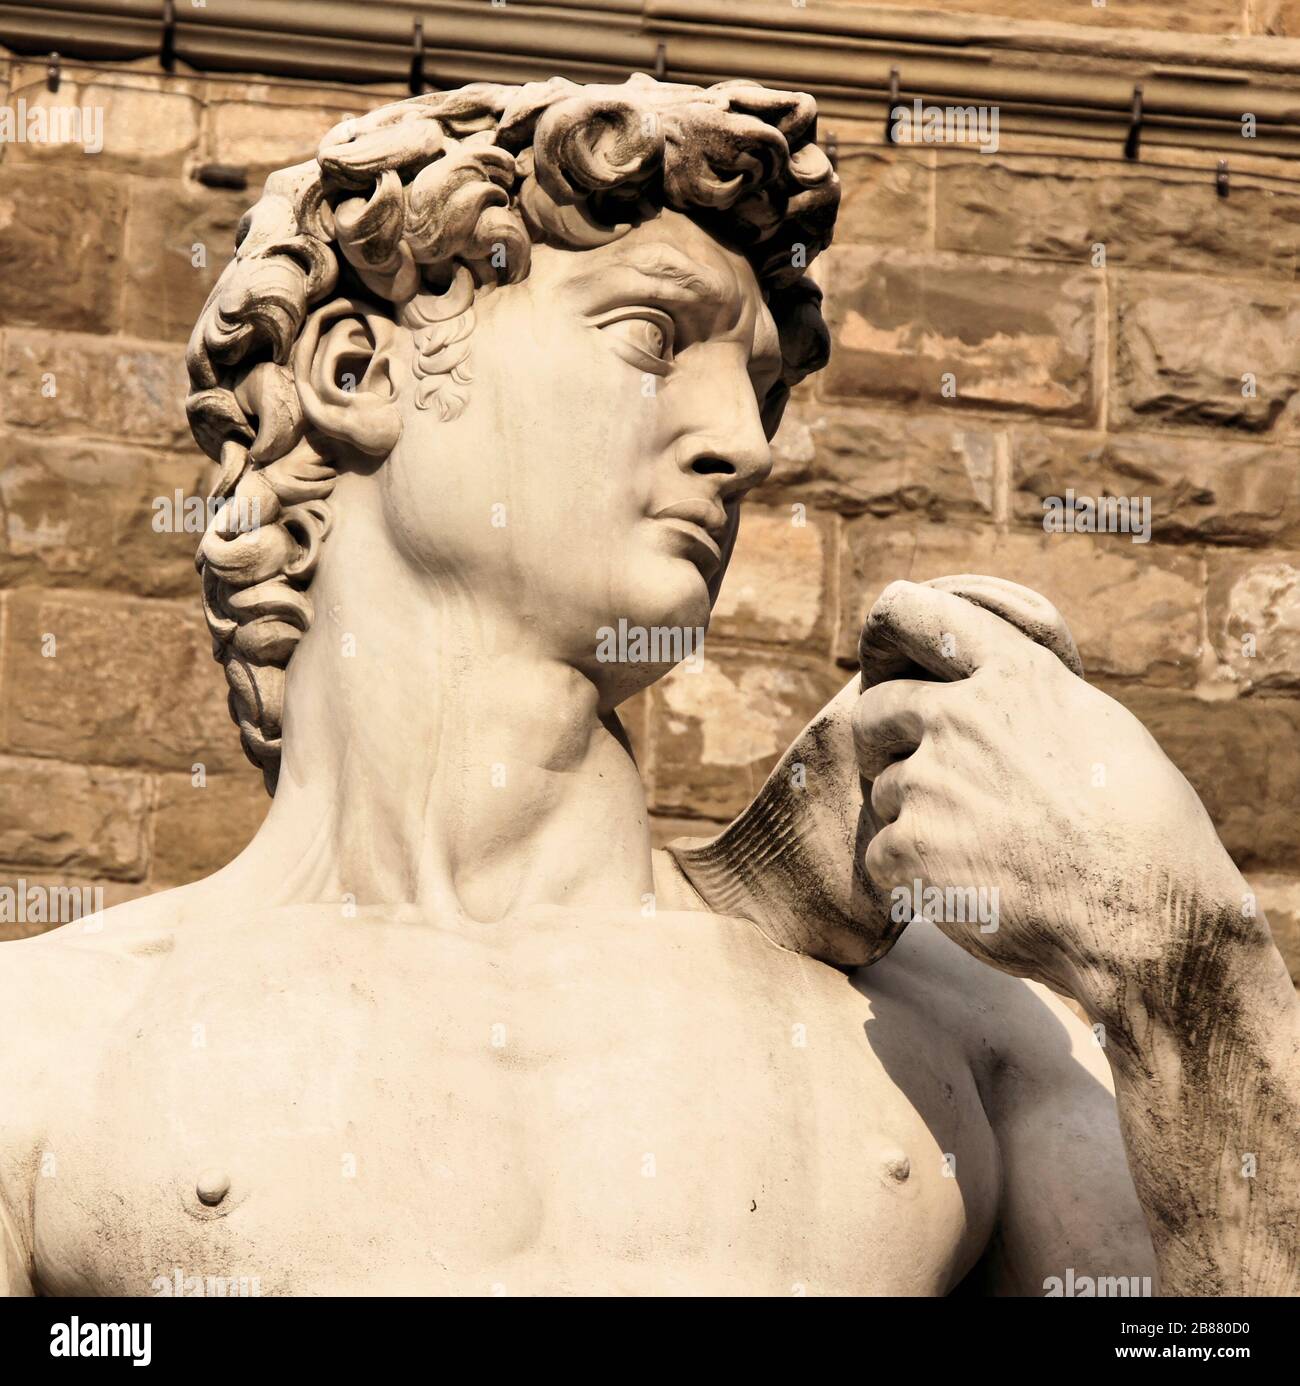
420 204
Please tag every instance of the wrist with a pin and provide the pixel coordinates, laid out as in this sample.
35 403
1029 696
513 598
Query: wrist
1228 985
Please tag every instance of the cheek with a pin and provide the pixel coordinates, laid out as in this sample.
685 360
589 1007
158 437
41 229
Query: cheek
578 444
547 471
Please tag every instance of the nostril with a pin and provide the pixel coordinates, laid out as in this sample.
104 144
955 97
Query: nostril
712 466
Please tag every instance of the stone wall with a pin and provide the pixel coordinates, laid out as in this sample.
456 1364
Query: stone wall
1007 327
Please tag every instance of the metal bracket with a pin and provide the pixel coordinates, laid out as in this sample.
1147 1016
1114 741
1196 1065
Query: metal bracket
1131 144
893 101
167 44
1221 178
416 81
222 176
53 72
661 61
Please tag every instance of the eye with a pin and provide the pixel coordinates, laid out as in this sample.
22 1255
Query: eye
641 332
641 336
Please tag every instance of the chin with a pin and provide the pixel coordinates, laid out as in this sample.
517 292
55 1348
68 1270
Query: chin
641 637
678 600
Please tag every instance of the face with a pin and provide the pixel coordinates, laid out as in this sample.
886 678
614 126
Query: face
611 431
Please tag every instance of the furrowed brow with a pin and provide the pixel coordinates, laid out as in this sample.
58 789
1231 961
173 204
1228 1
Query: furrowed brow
673 276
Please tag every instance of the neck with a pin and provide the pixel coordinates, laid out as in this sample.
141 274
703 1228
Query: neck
433 757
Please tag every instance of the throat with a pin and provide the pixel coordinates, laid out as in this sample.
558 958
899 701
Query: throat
445 764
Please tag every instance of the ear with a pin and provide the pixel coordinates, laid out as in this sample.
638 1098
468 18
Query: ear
343 368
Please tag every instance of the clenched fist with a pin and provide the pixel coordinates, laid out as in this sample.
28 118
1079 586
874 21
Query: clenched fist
1034 819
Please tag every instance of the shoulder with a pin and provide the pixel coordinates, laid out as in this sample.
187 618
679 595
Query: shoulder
1011 1029
59 987
61 993
76 975
62 990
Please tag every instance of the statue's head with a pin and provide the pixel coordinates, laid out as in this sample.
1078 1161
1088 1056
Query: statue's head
554 325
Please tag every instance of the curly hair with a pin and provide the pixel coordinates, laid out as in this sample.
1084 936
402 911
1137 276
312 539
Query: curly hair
420 205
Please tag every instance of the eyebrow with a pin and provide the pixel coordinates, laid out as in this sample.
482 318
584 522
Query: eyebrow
675 275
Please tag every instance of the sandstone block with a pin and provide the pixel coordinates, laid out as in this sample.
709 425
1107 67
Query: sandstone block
1214 353
140 122
1141 217
885 462
886 196
114 680
203 822
272 128
61 383
74 513
180 236
717 733
75 818
60 248
775 588
1212 491
64 898
962 332
1279 901
1242 756
1253 606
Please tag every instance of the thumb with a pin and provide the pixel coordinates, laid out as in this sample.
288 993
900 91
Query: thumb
894 643
947 635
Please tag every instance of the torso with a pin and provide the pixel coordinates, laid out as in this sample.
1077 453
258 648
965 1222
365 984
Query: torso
588 1105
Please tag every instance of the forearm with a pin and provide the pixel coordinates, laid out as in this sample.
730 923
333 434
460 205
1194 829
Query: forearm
1208 1090
15 1278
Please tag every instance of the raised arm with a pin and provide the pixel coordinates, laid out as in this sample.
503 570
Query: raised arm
794 862
1014 775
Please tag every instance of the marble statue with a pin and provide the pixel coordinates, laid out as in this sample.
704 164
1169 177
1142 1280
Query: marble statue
491 374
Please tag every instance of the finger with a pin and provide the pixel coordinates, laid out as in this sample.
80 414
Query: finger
945 634
888 862
890 788
889 723
1027 610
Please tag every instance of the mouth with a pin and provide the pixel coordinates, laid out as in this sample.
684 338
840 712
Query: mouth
702 527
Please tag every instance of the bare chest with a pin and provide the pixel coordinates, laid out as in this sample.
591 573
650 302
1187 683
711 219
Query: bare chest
677 1109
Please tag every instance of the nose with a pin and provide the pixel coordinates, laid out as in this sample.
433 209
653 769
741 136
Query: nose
737 453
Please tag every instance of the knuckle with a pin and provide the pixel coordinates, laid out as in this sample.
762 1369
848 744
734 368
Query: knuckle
878 857
885 609
888 788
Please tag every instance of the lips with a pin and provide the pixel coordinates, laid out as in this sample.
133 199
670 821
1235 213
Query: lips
702 525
